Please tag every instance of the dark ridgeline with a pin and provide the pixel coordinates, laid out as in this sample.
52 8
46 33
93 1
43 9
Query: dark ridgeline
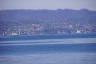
47 16
28 22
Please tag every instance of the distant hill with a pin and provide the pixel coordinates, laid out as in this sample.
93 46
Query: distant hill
17 17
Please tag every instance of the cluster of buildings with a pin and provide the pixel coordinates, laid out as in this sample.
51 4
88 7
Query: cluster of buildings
51 28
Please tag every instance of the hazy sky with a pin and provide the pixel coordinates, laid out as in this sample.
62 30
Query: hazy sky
47 4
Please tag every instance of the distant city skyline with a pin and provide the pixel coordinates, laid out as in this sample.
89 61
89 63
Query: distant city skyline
48 4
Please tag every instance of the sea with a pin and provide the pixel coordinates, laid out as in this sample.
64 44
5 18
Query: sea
53 49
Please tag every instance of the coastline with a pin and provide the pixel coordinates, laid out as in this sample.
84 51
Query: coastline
47 36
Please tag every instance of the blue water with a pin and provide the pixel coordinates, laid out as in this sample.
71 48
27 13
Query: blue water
39 37
49 50
51 58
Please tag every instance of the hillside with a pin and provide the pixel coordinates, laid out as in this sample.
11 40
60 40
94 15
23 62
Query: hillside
17 17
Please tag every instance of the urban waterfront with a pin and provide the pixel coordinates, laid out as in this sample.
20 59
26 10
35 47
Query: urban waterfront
47 31
51 28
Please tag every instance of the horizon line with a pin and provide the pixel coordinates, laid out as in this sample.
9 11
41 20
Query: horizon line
50 9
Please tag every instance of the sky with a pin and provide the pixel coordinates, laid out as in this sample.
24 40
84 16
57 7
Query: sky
48 4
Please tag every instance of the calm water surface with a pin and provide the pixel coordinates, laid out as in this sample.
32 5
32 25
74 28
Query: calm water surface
52 51
50 58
